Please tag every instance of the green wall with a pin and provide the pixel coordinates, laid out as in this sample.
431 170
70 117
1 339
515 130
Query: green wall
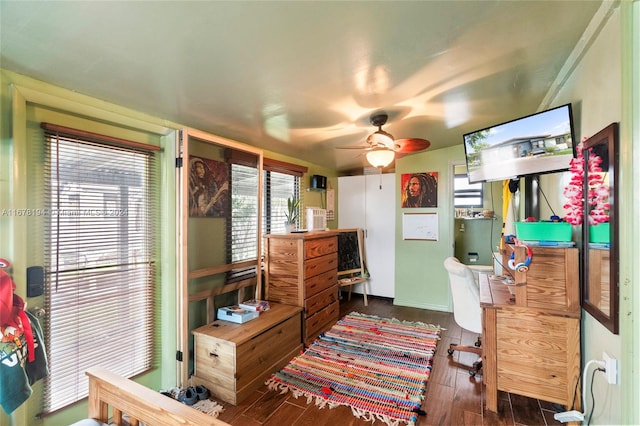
421 280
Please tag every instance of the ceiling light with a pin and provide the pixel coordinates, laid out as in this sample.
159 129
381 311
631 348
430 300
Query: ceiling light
380 157
380 138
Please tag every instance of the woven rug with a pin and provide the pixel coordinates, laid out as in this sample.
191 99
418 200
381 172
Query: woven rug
377 366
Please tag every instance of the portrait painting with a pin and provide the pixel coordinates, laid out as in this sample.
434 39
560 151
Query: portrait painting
208 187
419 189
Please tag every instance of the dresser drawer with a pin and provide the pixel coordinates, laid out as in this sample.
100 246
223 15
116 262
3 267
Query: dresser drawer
321 264
285 249
316 323
320 300
320 246
261 353
320 282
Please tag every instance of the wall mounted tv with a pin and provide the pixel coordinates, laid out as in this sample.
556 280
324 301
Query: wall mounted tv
532 145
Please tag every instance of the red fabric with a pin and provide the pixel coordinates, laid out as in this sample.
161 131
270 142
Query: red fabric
12 311
7 286
28 334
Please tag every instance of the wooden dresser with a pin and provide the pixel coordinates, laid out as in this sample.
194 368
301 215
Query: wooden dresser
233 360
302 269
531 329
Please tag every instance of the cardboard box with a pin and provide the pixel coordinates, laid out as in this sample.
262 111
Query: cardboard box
543 231
236 314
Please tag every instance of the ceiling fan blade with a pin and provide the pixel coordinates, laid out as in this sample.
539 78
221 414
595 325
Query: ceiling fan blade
409 145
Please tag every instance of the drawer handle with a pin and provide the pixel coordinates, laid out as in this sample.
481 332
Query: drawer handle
213 355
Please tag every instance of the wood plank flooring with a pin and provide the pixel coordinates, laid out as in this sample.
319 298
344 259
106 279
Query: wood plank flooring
453 397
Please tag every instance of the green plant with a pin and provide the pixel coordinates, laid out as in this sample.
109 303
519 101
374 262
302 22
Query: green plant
293 205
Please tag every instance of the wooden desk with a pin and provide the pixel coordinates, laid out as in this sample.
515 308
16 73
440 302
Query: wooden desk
528 351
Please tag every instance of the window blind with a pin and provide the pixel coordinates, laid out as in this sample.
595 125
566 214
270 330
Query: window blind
281 181
278 188
244 211
466 194
100 258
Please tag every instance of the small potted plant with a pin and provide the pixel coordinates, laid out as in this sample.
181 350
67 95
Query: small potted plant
291 214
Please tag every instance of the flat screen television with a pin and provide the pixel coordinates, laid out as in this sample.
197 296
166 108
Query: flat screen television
532 145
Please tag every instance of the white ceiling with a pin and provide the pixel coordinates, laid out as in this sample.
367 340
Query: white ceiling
301 78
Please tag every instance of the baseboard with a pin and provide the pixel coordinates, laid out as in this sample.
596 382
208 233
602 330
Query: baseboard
401 302
429 306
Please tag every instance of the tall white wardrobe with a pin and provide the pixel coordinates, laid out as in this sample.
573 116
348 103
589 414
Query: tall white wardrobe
368 202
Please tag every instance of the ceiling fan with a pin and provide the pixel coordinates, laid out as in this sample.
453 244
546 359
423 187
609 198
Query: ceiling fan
383 147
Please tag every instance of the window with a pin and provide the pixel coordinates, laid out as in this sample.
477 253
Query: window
100 259
280 181
466 194
244 209
278 187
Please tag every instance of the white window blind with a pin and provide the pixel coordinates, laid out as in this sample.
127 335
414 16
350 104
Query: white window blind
466 194
244 212
100 253
278 187
281 181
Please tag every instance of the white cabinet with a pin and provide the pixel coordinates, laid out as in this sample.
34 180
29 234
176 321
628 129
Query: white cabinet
368 202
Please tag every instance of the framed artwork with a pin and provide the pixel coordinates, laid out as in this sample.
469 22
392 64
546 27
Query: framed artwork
419 189
208 187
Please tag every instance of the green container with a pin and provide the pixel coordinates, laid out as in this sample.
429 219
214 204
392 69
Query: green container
543 231
599 233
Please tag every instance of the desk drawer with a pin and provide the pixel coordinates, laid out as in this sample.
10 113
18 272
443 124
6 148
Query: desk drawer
537 355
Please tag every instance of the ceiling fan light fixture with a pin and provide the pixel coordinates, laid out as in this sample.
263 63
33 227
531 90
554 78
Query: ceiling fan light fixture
380 138
380 157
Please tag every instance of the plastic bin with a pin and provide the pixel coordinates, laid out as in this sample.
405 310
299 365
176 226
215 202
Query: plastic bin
599 233
543 231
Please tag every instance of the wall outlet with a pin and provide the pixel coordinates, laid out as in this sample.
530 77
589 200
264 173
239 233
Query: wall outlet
611 368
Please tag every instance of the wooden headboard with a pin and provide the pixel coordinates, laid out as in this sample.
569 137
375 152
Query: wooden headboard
141 404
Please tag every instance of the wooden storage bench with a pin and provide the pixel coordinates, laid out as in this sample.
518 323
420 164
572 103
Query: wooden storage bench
233 360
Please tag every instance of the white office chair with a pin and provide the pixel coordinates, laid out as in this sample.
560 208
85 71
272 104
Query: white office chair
466 306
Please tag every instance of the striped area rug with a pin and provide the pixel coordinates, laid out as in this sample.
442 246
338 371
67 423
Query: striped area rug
377 366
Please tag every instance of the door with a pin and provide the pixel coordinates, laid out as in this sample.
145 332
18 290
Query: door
219 243
368 202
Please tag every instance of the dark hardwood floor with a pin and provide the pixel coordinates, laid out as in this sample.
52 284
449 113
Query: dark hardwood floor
453 397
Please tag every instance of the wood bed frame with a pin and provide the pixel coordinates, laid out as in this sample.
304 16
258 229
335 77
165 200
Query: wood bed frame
141 404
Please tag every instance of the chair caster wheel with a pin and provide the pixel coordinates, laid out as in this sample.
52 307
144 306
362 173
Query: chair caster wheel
472 373
450 351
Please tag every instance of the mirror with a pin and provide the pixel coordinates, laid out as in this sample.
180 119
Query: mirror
600 227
